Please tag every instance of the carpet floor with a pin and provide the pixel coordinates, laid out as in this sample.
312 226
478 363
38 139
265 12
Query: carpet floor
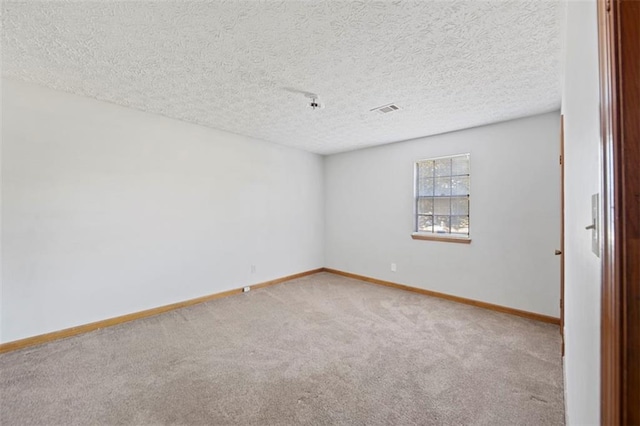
319 350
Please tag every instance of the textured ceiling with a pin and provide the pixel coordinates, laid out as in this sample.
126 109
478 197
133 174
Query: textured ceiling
236 65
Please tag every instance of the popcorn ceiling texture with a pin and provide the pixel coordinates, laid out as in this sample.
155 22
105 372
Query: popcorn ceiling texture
236 66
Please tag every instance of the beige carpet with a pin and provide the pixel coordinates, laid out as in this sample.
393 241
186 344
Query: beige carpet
318 350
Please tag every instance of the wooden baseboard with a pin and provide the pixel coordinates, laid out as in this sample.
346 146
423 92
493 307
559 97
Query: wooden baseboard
85 328
74 331
485 305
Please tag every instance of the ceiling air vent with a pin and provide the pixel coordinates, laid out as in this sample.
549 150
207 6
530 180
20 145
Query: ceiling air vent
385 109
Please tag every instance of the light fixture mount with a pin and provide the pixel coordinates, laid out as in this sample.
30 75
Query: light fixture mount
315 102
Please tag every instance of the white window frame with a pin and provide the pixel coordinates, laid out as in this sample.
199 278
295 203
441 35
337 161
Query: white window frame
440 236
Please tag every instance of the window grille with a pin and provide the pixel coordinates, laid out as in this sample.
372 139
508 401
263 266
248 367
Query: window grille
442 196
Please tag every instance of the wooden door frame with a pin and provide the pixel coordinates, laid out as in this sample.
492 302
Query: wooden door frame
618 35
562 258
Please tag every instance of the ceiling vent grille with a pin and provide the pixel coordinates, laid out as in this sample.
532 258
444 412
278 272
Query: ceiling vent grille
385 109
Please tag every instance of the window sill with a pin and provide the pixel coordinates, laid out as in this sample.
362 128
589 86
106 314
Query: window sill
443 238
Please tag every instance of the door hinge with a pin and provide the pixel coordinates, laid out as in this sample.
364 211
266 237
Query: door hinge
561 160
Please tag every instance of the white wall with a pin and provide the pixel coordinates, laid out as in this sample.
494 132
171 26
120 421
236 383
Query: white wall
108 210
582 179
515 215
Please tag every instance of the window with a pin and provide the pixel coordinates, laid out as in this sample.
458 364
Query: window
442 199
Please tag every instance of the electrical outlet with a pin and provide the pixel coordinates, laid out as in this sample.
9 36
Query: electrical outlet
253 269
246 289
393 267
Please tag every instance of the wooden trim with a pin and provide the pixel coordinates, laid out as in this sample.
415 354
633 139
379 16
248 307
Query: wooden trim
618 35
85 328
285 279
562 259
628 232
610 374
428 237
477 303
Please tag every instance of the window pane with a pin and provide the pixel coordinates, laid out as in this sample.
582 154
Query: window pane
425 186
460 224
425 205
442 192
425 223
443 167
460 206
443 186
425 168
442 206
459 185
460 165
441 224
